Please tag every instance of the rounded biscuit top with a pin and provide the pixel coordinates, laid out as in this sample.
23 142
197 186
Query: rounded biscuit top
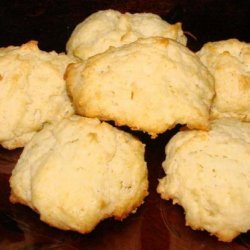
79 172
149 85
110 28
229 62
32 92
208 174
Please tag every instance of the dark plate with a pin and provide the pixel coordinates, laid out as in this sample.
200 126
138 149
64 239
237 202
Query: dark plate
157 224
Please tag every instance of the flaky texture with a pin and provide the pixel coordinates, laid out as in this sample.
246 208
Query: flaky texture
208 174
229 62
149 85
110 28
32 92
79 172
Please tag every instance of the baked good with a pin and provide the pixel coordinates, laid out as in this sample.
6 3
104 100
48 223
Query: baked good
80 171
229 62
149 85
110 28
32 92
208 174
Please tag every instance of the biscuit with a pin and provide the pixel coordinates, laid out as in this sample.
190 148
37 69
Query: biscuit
229 62
149 85
80 171
208 174
32 92
110 28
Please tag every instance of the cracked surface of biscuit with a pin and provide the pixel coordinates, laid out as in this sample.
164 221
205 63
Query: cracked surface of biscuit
229 62
110 28
32 92
149 85
208 174
79 172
